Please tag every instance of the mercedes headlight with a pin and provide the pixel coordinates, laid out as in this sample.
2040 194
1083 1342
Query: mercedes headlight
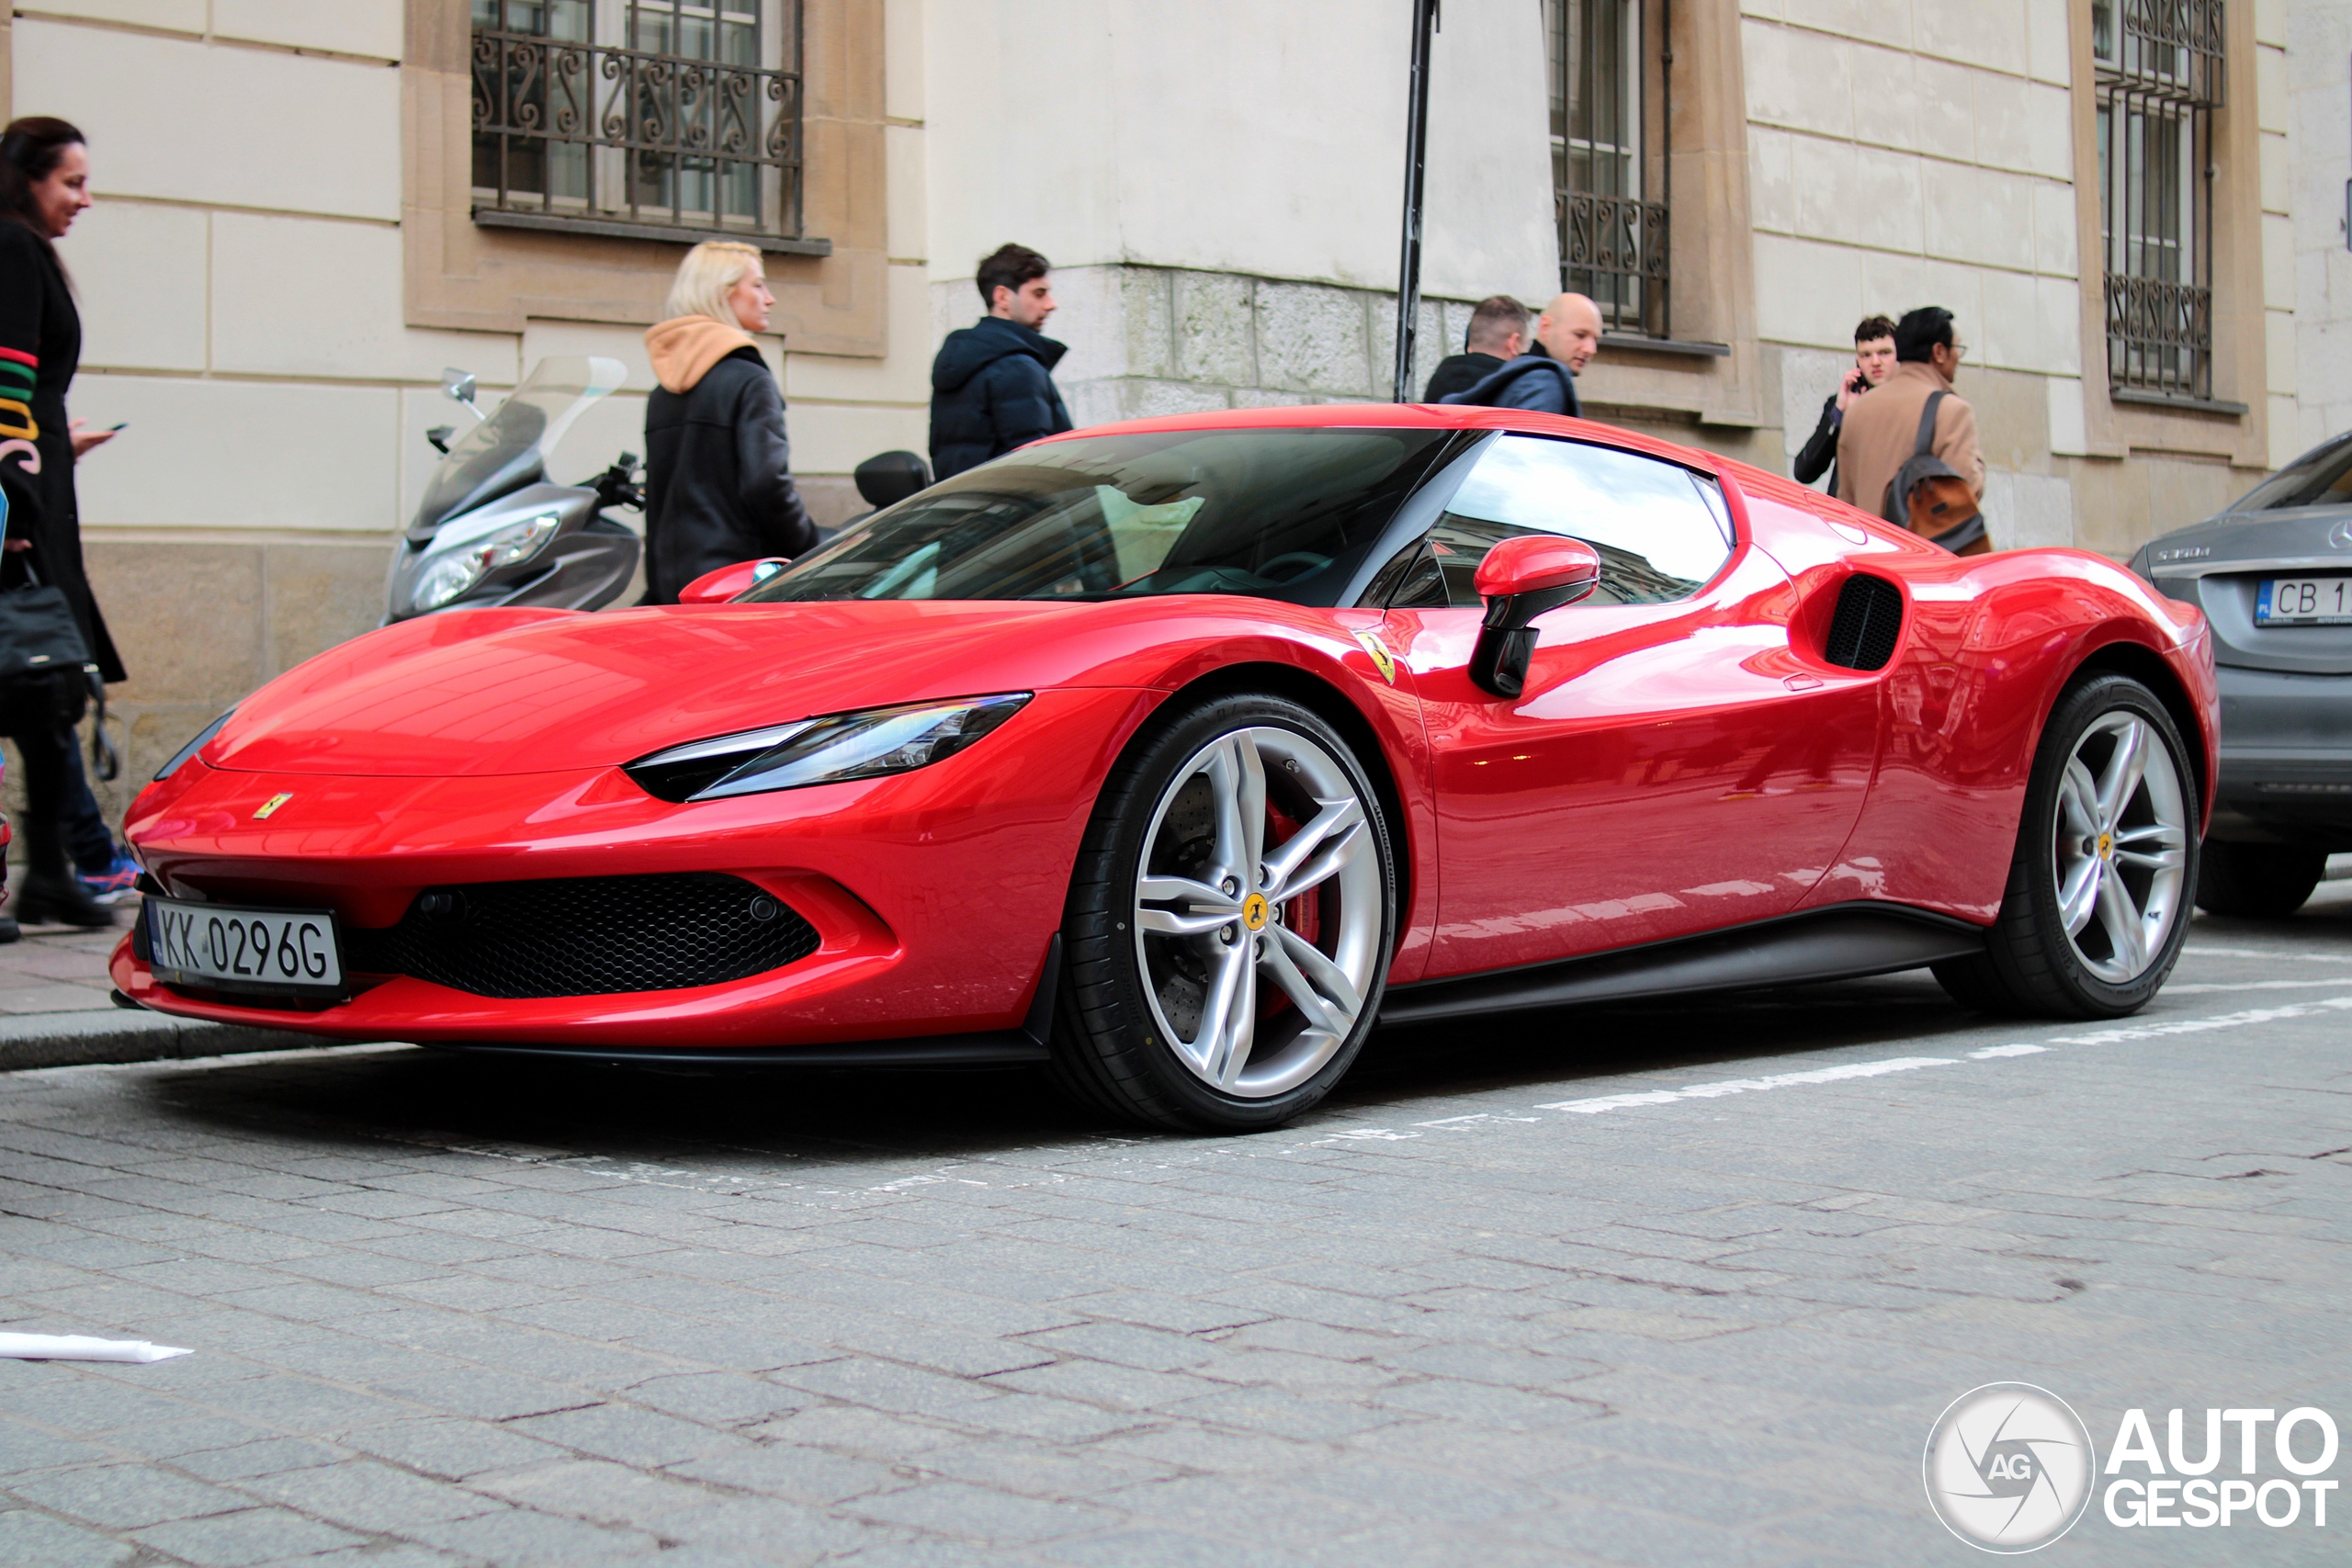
193 746
458 572
846 745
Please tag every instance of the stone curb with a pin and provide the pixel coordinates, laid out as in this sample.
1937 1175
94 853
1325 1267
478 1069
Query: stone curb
81 1039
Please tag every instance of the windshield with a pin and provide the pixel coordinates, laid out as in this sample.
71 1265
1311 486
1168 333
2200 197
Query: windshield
509 449
1277 513
2320 477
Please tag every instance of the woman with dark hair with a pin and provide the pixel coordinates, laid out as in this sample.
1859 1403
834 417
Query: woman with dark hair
44 185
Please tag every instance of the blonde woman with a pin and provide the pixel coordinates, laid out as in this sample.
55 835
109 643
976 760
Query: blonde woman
717 468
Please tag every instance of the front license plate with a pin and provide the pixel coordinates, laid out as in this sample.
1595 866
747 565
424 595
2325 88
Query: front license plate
242 950
2304 601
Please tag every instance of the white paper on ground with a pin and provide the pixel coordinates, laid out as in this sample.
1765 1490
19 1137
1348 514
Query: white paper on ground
80 1348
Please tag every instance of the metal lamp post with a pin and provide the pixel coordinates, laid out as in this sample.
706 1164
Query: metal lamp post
1416 129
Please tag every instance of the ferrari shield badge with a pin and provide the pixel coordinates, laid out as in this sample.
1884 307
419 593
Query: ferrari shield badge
1382 659
272 804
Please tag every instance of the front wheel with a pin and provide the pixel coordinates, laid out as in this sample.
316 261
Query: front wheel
1229 922
2098 901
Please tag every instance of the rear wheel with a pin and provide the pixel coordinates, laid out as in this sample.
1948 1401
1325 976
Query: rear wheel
2262 880
2098 900
1229 922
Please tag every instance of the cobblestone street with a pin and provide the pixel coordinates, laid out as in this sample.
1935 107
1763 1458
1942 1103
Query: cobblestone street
1656 1286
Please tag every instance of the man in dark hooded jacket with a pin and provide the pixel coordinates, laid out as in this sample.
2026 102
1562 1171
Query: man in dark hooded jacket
1544 378
991 388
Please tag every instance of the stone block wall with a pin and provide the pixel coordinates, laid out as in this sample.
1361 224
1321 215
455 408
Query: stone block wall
1146 340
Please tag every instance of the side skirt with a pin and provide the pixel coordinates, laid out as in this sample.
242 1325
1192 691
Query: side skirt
1839 941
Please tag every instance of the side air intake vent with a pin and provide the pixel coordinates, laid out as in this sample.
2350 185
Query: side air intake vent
1869 617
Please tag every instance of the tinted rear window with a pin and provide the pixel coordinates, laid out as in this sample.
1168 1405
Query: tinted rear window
2320 477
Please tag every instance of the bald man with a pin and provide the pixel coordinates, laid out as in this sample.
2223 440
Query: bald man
1544 378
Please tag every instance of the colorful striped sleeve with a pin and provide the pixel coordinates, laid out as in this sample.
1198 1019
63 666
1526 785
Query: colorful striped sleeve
20 332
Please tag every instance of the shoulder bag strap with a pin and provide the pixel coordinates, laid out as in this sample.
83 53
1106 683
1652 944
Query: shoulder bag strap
1926 441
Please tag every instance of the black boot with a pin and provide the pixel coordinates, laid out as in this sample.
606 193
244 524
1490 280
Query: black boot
51 894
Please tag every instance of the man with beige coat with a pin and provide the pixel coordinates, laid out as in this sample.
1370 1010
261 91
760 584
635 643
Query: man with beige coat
1881 430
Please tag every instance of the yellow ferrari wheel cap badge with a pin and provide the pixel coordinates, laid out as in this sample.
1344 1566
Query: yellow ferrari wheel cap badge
2106 845
272 804
1253 912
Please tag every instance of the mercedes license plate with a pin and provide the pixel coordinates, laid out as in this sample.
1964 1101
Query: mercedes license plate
242 950
2304 601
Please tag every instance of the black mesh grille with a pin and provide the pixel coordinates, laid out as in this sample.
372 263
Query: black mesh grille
1869 617
587 935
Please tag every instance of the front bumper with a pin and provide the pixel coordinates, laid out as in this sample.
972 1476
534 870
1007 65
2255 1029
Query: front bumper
934 894
2286 763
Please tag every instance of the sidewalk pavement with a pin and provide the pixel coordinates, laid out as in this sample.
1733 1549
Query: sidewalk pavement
56 1007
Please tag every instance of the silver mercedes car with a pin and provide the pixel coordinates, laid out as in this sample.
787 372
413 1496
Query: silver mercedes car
2273 573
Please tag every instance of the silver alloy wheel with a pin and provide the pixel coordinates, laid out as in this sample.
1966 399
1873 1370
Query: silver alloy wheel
2121 847
1217 906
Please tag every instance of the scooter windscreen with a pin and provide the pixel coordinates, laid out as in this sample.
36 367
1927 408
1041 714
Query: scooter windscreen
509 449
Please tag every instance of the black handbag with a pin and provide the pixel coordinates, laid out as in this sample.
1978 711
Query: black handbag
42 657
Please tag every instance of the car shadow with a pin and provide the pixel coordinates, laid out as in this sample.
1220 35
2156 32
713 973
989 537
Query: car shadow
809 1121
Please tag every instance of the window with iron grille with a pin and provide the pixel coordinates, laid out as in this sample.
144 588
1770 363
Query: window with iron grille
1609 157
661 118
2159 71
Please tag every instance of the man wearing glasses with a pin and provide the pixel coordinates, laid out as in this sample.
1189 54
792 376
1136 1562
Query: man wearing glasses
1881 431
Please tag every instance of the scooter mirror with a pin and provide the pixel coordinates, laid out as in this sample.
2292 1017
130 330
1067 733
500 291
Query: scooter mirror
459 386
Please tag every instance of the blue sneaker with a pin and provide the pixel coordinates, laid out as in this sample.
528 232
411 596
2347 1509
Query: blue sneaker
113 884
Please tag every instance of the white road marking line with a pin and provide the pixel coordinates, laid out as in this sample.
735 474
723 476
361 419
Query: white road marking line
2262 953
2205 1025
2252 985
1748 1086
1990 1052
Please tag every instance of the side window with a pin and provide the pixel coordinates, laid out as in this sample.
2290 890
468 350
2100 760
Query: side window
1662 531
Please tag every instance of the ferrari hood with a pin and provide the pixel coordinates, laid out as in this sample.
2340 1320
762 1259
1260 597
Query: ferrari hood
523 692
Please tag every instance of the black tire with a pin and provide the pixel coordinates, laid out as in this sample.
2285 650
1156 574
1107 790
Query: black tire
2030 964
2262 881
1108 1050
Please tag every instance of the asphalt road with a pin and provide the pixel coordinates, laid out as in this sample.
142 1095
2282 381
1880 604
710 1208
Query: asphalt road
1645 1286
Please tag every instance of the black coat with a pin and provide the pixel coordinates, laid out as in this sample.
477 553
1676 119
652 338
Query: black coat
718 477
1534 381
1820 454
40 340
1459 373
991 390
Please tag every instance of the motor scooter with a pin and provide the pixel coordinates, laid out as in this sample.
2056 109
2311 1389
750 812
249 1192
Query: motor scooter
491 531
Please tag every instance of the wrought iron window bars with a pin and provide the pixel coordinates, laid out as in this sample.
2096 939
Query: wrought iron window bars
1614 242
675 119
2160 69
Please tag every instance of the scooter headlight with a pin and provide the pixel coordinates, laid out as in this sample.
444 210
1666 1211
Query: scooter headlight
462 568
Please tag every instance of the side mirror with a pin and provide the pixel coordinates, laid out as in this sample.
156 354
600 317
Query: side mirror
459 386
717 587
1520 580
889 478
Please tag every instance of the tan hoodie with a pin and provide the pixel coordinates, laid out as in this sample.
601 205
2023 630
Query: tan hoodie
683 348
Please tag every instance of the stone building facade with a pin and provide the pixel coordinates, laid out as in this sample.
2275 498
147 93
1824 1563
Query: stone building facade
294 238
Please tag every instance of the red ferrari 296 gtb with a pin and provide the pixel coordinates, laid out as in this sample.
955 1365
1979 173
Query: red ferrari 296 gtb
1173 755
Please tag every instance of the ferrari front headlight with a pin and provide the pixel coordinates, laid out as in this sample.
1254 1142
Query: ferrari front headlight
847 746
202 736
